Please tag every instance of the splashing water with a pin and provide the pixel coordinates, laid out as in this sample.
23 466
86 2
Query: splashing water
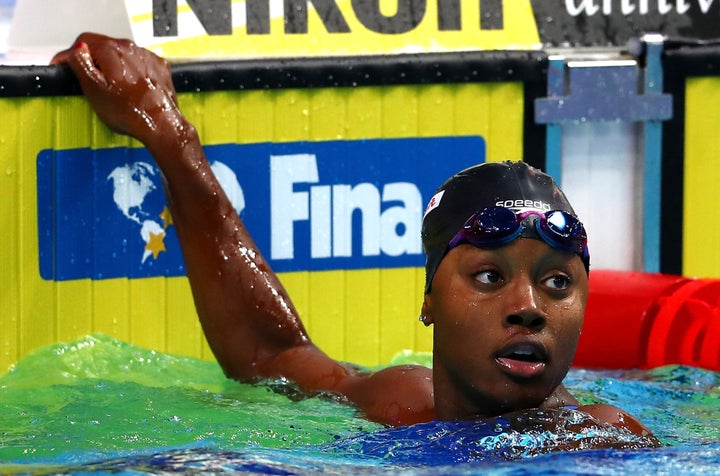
102 405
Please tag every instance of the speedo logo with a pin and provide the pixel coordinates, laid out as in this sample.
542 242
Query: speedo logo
523 205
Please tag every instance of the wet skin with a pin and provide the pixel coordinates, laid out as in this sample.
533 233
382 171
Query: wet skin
490 320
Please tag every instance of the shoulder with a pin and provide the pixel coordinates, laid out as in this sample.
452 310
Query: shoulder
398 395
616 417
393 396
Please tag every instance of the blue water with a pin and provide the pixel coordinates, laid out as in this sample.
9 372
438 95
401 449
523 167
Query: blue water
99 405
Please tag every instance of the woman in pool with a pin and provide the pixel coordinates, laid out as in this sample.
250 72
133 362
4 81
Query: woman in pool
507 271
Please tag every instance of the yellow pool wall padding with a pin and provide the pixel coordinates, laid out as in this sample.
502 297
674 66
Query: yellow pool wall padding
362 316
701 228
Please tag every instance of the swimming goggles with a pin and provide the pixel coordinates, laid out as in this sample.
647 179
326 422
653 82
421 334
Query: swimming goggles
494 227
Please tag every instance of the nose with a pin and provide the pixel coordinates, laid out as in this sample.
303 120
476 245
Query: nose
524 309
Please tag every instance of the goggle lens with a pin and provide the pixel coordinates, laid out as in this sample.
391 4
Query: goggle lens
563 230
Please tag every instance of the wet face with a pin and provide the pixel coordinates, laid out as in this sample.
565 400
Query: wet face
507 323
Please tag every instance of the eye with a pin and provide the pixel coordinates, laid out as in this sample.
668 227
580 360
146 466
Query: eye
488 277
557 282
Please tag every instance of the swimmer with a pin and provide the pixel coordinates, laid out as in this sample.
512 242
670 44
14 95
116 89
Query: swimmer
507 271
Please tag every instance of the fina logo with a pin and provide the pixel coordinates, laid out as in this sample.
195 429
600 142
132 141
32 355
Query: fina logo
330 209
309 206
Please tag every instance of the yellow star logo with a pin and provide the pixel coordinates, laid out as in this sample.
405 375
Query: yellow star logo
156 244
166 217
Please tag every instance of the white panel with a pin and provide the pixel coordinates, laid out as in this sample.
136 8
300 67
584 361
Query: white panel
601 175
43 27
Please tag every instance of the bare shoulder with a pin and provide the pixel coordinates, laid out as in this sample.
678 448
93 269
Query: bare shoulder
617 417
395 396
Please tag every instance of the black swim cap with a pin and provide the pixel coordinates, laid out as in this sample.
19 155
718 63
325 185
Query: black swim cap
513 185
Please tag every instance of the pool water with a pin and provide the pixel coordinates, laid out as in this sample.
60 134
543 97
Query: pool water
99 405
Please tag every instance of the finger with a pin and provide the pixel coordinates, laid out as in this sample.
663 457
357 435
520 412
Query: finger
62 56
105 53
81 62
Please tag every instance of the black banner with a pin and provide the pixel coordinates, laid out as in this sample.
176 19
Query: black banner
564 23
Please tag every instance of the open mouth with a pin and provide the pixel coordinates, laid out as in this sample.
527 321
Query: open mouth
524 355
523 359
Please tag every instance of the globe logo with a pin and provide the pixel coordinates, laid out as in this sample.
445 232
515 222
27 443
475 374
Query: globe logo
133 182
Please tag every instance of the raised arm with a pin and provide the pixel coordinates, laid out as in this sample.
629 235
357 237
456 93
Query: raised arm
244 310
248 319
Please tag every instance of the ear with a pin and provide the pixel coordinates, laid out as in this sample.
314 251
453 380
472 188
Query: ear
426 311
